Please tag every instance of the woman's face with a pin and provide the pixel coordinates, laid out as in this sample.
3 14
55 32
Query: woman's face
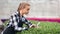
26 10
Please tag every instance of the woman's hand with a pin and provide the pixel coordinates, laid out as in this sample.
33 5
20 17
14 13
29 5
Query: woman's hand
33 26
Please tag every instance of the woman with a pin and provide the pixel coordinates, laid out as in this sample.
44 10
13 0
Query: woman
17 20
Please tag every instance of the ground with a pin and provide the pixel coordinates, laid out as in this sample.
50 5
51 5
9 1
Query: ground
44 28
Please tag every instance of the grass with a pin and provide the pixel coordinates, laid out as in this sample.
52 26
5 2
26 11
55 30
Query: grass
44 28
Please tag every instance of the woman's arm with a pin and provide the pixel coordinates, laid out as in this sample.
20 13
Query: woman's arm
29 24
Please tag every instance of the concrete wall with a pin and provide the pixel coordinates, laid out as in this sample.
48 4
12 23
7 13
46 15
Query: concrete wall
39 8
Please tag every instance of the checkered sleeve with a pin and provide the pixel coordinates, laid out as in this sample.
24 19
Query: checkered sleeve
28 23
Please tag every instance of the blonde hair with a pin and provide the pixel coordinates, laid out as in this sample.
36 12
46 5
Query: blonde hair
22 5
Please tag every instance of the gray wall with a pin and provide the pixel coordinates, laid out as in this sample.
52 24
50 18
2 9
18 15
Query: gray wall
39 8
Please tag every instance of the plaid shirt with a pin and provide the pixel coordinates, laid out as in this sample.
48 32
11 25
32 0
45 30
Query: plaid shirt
17 22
